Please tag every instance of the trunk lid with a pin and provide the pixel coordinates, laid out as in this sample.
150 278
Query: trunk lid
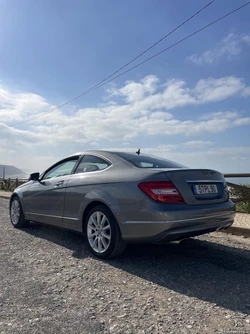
187 180
199 186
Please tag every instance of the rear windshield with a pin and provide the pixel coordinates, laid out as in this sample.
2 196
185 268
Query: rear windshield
147 161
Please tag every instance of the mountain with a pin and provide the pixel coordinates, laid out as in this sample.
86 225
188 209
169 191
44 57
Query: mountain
12 172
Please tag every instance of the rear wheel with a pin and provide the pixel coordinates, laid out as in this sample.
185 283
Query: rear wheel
102 233
16 213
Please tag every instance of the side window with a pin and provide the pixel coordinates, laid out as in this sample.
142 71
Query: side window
146 164
64 168
91 163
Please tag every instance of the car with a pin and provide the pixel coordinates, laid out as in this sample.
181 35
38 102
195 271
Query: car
118 198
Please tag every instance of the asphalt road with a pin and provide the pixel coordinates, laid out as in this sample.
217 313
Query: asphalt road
49 283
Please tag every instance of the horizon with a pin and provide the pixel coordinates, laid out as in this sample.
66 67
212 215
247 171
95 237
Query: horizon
237 180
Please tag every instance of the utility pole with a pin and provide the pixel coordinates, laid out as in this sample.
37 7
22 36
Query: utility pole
3 172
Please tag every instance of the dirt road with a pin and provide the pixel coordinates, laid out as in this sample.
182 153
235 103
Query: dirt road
49 283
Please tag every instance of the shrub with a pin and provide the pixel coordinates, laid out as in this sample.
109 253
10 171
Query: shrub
239 193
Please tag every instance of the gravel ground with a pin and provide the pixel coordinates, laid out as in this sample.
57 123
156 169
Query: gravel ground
49 283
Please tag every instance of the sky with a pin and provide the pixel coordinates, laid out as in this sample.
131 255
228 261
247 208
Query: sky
191 104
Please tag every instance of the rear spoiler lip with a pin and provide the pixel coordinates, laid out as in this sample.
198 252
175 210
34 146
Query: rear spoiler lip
205 181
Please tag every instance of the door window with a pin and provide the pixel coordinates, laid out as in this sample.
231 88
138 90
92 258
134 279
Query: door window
64 168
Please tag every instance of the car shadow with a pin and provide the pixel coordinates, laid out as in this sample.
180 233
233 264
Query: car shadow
62 237
200 268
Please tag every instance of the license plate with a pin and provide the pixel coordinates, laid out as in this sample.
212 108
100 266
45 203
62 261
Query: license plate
203 189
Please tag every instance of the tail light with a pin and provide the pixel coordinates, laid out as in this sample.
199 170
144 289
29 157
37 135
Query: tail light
162 191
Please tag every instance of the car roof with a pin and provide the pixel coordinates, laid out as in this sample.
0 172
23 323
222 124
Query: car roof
112 156
100 152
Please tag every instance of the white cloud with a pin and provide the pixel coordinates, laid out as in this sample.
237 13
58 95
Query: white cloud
134 91
246 92
116 123
177 94
149 101
246 39
198 144
230 46
144 113
18 106
220 115
83 128
13 137
212 90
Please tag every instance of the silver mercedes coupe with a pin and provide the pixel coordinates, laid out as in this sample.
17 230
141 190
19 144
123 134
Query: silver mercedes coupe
117 198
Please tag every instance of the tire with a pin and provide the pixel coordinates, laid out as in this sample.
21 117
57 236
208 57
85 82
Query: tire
102 233
16 214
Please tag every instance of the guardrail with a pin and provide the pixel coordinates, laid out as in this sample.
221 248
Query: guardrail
11 184
239 192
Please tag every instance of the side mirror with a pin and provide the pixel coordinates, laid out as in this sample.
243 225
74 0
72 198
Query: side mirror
34 177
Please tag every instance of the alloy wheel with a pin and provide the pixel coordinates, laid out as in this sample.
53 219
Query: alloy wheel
15 212
99 232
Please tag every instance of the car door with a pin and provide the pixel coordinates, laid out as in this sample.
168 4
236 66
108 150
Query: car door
86 177
45 202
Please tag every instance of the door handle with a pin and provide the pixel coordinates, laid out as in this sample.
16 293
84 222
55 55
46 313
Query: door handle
59 184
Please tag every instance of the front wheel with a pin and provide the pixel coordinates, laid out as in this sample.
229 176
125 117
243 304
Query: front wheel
16 213
102 233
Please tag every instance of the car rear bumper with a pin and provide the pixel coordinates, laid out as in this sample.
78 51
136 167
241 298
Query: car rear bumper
170 230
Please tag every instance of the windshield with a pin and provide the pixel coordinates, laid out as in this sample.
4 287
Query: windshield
147 161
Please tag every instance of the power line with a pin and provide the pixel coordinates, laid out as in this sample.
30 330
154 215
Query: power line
141 63
99 84
153 45
171 46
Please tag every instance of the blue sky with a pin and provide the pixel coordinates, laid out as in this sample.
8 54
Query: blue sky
190 104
